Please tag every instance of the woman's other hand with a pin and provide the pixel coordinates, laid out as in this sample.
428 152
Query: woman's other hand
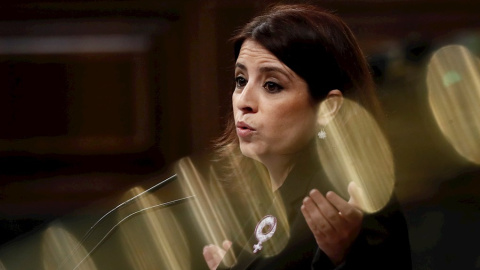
214 254
334 222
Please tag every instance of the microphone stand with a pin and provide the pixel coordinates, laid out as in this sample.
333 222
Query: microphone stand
123 204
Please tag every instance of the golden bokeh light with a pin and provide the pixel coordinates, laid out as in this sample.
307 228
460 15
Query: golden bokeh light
453 81
60 250
152 239
356 150
217 216
207 220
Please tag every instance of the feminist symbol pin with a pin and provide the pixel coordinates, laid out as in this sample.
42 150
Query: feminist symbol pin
264 231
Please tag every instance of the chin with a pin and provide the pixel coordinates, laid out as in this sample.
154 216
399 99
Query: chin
249 152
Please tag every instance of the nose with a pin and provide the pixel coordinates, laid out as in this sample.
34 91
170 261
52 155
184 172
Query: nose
246 100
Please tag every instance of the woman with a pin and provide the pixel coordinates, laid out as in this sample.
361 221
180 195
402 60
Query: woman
296 65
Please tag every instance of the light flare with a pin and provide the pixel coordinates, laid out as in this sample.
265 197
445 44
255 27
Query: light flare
453 81
58 244
222 222
357 150
208 220
153 239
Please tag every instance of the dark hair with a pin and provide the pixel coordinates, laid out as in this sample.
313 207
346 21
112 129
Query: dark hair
318 46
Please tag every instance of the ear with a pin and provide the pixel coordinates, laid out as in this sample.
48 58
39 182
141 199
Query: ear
329 107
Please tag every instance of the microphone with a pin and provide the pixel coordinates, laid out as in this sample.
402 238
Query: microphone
118 207
127 202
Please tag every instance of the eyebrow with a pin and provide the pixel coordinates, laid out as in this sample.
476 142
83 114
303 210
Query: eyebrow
266 69
240 66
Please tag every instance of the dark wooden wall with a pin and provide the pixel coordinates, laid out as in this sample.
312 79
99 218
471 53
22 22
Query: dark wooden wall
82 120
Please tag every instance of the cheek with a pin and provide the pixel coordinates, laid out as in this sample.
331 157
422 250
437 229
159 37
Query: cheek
302 127
296 123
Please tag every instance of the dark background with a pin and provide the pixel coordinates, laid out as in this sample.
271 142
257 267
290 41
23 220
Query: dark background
97 96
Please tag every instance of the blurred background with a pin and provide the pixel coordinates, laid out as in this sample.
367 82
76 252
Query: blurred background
97 96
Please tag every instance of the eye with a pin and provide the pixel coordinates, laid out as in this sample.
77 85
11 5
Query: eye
240 82
272 87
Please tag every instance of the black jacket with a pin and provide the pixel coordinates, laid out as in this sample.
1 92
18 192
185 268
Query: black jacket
383 242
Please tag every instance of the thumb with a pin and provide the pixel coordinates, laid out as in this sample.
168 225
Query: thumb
356 195
226 244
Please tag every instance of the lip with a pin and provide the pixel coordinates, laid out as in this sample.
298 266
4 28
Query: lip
244 130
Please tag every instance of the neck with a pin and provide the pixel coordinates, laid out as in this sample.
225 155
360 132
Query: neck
279 168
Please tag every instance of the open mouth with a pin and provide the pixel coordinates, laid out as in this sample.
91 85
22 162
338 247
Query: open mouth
244 130
244 126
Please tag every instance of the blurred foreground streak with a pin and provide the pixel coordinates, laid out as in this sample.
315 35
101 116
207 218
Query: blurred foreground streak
453 81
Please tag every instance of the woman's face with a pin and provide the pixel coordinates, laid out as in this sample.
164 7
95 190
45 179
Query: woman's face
274 113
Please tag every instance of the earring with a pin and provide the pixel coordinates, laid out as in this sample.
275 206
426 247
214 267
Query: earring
322 134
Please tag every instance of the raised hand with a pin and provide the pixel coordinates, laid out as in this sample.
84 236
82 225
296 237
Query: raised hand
334 222
214 254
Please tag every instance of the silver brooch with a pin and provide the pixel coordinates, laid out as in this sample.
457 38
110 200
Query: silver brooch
264 231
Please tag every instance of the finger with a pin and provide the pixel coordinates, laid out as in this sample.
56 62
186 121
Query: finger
347 211
213 255
208 255
316 216
328 210
226 245
311 224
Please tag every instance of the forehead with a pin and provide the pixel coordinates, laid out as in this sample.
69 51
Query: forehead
253 49
254 55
